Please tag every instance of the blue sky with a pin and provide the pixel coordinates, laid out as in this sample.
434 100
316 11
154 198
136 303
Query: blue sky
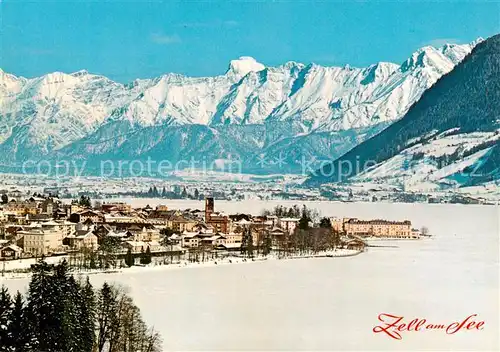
125 40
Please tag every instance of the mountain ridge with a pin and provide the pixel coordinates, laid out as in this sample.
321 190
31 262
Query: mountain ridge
57 112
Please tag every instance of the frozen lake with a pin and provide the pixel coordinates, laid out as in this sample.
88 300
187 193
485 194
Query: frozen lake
333 303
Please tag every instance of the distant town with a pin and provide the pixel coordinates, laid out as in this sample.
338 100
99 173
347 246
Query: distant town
102 235
231 187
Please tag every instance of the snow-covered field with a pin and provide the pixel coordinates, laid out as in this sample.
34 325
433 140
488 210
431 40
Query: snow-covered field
333 303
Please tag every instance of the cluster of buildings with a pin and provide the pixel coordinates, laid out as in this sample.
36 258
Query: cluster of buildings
43 226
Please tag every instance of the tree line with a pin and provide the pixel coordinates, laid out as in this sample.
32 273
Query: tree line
309 237
62 314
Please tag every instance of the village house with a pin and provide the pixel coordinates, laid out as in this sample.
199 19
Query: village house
277 235
213 241
102 230
3 216
38 242
233 238
180 223
288 224
66 228
22 208
86 240
74 208
135 246
116 207
191 239
220 222
119 218
11 252
338 224
85 215
48 206
147 235
161 208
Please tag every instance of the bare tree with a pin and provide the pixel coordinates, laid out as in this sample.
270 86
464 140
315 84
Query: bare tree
424 231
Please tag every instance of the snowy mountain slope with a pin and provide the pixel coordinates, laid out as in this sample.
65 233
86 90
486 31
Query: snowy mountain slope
450 137
445 162
69 113
51 111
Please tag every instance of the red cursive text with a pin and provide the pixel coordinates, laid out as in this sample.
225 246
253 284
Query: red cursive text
394 325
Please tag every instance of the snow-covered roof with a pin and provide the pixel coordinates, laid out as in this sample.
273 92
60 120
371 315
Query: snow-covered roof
136 243
232 245
189 234
50 223
117 234
13 247
290 219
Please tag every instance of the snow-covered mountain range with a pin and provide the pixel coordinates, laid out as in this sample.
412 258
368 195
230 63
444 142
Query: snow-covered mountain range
271 119
448 140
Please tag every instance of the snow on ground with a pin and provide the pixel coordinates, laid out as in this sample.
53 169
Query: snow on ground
333 303
12 266
423 173
21 264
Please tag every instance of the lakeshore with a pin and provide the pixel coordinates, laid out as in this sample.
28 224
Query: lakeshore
20 269
311 298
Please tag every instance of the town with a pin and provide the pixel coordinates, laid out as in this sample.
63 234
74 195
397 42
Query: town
110 235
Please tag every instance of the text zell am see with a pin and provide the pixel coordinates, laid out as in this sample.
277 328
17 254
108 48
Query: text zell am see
394 326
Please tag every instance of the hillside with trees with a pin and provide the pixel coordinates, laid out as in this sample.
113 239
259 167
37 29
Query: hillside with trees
62 314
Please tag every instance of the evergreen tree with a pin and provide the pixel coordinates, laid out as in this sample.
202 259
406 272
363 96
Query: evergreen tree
88 316
184 193
41 310
105 311
92 261
129 258
63 315
304 222
5 316
266 246
196 194
146 257
70 311
250 244
18 336
5 199
243 246
85 201
325 223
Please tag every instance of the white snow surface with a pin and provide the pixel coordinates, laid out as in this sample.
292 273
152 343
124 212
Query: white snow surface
333 303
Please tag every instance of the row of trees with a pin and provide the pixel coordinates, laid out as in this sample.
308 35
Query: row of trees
293 212
62 314
305 239
177 193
